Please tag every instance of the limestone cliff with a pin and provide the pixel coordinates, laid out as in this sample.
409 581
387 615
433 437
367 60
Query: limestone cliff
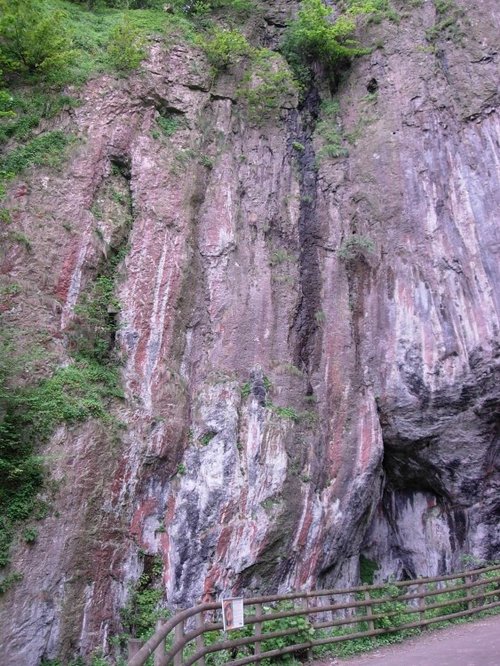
309 343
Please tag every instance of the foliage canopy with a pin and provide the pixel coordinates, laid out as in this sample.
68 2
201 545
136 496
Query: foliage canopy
319 35
126 46
32 37
226 47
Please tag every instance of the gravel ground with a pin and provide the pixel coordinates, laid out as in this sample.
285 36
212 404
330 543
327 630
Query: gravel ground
476 644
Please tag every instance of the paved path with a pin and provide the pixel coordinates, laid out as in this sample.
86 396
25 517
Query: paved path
475 644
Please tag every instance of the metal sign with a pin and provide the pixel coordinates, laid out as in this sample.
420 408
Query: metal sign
232 613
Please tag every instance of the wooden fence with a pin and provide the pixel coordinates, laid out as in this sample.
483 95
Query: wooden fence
281 624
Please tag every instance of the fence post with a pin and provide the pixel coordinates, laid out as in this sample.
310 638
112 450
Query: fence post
178 636
159 653
200 642
422 589
469 579
133 647
257 628
306 604
368 611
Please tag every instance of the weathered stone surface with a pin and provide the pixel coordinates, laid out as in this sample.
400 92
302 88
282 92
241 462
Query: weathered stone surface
279 395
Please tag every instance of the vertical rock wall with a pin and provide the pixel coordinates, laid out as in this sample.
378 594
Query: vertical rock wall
293 397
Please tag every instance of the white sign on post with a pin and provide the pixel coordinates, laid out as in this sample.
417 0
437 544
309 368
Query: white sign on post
232 613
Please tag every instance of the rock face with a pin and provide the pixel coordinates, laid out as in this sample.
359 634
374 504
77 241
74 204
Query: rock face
310 346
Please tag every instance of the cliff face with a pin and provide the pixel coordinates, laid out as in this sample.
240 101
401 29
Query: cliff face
309 344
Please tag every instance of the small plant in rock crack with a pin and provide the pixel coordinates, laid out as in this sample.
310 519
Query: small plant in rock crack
5 216
286 413
207 437
268 87
181 469
22 239
30 535
448 26
355 246
280 257
329 133
245 389
168 124
206 161
319 317
143 609
10 580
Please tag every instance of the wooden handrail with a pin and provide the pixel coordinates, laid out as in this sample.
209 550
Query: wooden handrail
176 624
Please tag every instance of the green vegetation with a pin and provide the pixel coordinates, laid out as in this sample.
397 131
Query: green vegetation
355 246
367 570
20 238
34 37
80 391
329 133
5 102
64 42
267 86
285 413
319 317
95 660
92 336
317 35
126 46
204 7
27 111
304 631
44 150
143 609
139 616
29 415
10 580
96 323
30 535
314 37
280 257
207 437
168 124
225 48
448 26
396 614
97 35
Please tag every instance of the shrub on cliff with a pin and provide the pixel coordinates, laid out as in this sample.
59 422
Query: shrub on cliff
28 416
226 47
126 46
267 87
5 102
319 36
200 7
33 39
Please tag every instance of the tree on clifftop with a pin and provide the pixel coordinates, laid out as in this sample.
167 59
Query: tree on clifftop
33 39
